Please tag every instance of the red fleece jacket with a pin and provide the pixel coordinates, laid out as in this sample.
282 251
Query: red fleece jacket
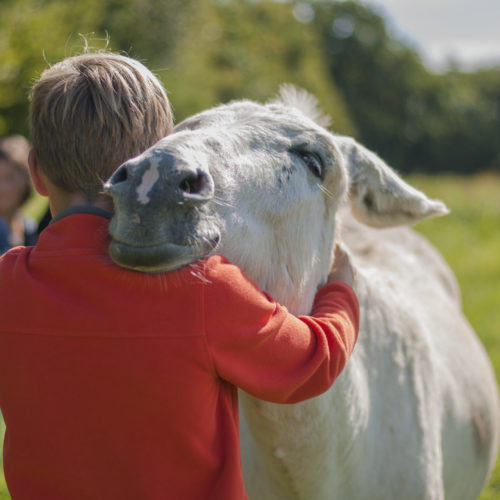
122 385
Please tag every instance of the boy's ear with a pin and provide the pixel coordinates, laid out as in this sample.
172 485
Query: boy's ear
36 174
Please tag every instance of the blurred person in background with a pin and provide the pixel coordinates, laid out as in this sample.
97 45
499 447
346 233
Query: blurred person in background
4 236
15 189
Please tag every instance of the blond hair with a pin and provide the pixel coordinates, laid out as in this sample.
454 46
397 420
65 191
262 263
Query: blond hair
89 113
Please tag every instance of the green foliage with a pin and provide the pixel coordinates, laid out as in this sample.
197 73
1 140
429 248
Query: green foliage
31 33
36 33
363 60
147 29
205 52
469 108
211 51
246 50
414 119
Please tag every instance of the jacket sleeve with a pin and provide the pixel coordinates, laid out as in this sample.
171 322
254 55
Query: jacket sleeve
257 345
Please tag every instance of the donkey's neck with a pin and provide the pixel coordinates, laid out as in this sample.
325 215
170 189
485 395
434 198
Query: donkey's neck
282 435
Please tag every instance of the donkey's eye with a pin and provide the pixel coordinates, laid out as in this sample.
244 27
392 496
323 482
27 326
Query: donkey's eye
312 161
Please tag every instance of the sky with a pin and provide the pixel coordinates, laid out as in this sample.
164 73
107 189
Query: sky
466 31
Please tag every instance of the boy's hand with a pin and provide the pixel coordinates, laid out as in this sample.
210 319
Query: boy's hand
342 269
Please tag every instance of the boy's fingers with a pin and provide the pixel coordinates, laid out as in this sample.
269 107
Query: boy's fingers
340 253
342 269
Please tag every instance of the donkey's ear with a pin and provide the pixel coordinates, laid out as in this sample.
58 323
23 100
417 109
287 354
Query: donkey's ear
378 196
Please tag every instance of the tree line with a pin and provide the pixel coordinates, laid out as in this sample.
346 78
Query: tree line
375 87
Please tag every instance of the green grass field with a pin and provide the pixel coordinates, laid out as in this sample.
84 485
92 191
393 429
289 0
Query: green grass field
469 239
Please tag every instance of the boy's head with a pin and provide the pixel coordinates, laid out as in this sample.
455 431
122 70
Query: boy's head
90 113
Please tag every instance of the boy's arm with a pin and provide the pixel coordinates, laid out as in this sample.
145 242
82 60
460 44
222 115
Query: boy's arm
256 344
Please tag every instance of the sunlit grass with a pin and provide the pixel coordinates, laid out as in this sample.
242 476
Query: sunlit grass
4 495
469 239
36 206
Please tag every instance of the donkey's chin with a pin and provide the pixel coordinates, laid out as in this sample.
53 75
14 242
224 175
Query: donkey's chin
159 258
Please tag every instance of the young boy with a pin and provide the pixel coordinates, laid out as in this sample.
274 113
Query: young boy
121 385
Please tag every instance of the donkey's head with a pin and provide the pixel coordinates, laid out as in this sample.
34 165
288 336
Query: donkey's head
260 184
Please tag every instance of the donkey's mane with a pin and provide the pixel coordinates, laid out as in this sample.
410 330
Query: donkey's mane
295 97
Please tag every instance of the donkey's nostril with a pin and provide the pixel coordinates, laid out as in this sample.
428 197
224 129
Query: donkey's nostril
193 184
195 187
120 175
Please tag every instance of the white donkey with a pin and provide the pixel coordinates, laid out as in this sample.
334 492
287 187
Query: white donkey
415 414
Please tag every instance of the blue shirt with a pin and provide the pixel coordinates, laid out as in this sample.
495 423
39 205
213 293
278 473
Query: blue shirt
4 236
